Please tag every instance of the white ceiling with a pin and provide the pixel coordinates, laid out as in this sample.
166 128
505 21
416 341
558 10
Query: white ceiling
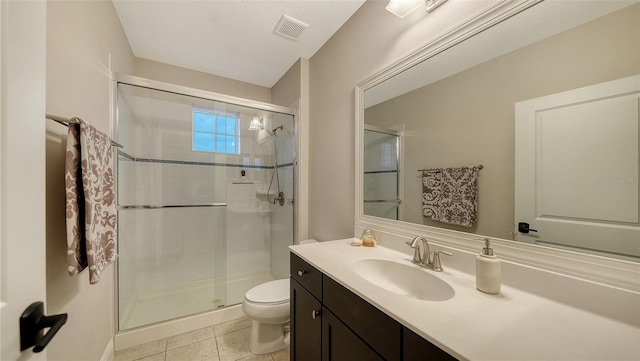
230 38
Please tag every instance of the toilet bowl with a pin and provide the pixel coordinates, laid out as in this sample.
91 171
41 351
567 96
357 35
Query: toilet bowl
267 305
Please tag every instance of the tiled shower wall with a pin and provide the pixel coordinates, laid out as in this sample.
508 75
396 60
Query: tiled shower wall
161 248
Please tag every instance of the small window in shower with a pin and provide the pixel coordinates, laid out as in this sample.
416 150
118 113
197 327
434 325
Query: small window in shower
388 160
215 132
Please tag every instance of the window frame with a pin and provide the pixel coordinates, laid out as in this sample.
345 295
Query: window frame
216 115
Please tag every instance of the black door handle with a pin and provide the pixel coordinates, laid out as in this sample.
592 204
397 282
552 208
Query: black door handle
32 325
523 227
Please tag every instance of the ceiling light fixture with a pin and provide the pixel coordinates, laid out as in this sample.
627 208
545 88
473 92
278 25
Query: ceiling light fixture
402 8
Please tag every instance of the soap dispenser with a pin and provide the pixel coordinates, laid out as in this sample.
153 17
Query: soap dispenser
488 270
368 238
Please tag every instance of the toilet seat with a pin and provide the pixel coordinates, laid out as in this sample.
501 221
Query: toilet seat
272 292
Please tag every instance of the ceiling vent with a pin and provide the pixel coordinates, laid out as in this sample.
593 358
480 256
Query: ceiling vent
290 28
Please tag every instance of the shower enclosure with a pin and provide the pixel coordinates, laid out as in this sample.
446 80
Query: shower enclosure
382 180
205 195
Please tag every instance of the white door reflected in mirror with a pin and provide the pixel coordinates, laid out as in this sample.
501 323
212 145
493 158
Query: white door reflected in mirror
577 167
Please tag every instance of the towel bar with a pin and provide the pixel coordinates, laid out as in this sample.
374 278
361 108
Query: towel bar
75 120
438 169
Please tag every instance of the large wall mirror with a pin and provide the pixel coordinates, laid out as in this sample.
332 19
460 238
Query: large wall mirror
546 101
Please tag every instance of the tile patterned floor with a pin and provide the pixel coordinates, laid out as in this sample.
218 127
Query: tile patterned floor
227 341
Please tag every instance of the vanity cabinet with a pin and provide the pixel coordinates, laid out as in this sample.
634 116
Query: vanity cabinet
306 309
416 348
329 322
340 343
306 324
377 329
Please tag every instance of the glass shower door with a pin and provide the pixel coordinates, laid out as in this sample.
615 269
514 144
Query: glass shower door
172 213
205 192
163 274
381 173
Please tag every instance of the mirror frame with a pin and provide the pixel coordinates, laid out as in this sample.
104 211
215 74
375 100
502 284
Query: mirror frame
610 271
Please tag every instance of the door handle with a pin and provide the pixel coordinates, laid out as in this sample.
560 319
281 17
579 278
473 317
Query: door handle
32 325
523 227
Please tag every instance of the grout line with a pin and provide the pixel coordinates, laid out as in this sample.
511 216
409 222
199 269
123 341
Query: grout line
166 347
217 344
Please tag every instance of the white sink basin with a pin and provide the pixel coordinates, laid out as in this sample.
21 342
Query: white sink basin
404 279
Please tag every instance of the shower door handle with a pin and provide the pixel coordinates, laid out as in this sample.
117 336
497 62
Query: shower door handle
159 206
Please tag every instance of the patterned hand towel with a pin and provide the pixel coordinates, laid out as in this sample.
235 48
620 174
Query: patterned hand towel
450 195
90 201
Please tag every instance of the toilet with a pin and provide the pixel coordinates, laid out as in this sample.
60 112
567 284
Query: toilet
268 306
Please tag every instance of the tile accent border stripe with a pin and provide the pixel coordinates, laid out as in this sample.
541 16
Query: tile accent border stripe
209 164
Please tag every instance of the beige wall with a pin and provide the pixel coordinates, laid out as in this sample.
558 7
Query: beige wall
292 90
286 91
469 119
370 40
80 37
181 76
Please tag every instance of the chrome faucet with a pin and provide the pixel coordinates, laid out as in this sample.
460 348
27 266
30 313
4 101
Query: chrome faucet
415 244
427 259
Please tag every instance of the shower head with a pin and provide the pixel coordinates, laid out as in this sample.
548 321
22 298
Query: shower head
273 132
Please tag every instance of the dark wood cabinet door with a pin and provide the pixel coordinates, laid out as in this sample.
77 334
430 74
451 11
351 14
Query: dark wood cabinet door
416 348
339 343
376 328
306 324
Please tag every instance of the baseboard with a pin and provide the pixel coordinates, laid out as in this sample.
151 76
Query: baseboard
108 355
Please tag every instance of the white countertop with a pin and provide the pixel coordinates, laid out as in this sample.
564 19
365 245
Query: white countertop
513 325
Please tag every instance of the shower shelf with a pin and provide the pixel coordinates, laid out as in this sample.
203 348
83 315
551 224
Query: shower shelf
262 192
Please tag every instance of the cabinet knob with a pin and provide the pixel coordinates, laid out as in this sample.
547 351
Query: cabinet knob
301 272
315 314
